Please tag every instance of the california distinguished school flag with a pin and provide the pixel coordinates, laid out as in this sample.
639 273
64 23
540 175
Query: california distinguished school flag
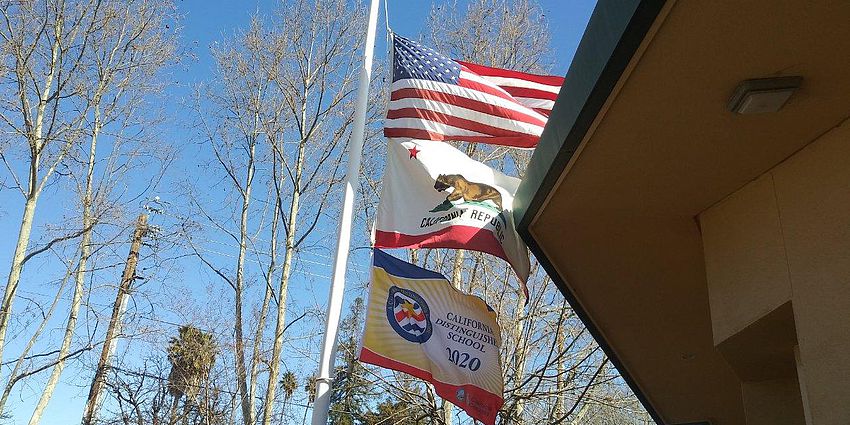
419 324
434 196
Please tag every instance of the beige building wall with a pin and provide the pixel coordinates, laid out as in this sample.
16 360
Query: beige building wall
745 260
782 244
772 402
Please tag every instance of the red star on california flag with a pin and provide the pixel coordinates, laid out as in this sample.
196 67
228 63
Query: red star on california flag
413 151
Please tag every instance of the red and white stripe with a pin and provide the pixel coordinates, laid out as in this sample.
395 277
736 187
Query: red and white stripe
531 90
477 109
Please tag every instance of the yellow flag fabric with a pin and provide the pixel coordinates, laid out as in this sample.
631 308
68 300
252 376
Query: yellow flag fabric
418 323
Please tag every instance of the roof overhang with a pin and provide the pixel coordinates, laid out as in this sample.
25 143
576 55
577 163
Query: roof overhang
639 143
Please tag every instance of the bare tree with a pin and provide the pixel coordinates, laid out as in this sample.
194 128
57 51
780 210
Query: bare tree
18 371
46 42
256 354
81 70
129 45
286 90
318 79
235 130
512 34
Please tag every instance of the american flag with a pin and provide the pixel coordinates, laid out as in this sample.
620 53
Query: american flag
436 98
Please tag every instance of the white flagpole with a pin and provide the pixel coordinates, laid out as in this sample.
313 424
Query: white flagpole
351 182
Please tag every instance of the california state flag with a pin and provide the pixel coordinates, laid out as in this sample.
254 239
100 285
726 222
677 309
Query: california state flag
434 196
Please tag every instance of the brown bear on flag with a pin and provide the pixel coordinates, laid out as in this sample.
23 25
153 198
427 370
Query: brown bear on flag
434 196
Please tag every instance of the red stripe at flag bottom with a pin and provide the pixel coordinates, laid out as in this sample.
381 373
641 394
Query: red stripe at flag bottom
477 403
454 237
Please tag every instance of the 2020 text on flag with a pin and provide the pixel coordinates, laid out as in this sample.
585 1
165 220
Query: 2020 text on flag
419 324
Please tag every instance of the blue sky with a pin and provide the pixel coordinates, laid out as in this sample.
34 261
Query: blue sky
203 23
206 22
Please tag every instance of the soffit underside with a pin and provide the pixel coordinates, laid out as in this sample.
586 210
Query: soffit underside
620 225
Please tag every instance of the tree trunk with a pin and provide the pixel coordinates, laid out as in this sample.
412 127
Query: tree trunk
241 374
34 187
172 413
578 419
520 357
17 265
13 376
457 269
79 279
261 323
274 364
560 378
446 411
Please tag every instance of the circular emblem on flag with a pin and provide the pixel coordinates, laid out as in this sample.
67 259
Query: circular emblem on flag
408 315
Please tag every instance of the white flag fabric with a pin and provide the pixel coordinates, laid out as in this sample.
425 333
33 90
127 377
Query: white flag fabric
434 196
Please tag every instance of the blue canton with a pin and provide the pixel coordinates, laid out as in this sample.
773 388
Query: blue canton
413 60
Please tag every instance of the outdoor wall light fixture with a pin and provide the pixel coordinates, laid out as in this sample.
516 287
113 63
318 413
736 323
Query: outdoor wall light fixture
762 95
